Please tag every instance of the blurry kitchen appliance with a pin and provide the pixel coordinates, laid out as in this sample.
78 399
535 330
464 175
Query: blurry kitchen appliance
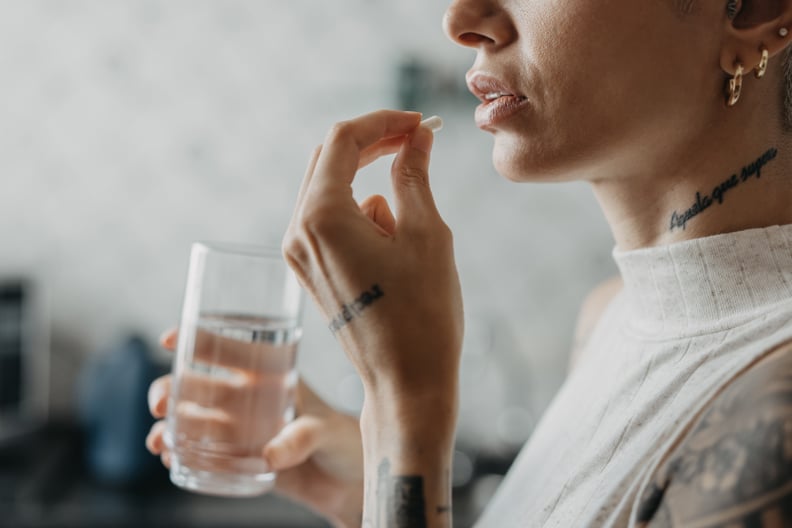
24 359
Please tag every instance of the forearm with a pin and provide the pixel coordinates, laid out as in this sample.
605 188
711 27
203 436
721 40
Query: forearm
407 457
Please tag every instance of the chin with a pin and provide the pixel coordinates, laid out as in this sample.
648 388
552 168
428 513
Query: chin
515 161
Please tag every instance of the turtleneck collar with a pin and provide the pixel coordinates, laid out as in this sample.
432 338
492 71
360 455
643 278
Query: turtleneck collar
706 284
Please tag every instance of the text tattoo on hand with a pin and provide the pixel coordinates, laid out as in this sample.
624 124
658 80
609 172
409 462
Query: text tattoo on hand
718 194
353 309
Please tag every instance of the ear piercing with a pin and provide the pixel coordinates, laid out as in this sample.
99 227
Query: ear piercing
735 83
731 9
735 86
760 70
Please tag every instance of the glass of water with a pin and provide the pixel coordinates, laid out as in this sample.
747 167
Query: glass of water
234 376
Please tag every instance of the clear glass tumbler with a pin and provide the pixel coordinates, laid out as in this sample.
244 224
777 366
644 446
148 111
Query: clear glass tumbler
234 373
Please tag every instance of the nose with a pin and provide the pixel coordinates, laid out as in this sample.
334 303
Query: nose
476 23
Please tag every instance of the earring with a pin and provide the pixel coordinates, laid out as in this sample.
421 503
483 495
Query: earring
783 32
735 86
760 70
731 9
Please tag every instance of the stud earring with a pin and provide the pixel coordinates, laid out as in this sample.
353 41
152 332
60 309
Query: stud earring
783 32
760 70
735 86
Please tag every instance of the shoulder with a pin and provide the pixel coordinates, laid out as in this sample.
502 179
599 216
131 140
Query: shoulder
590 312
734 468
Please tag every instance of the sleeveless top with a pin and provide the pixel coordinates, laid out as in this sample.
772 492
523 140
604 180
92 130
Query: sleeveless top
691 316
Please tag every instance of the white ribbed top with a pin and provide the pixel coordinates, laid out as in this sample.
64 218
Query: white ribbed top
691 317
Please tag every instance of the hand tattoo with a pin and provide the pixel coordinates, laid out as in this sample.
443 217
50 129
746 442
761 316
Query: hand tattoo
354 309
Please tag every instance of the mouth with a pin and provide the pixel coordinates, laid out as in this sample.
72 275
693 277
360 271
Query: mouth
499 100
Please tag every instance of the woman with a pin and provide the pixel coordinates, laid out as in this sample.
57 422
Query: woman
678 407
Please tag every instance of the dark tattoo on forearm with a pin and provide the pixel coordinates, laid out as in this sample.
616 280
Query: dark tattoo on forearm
400 499
355 308
703 202
735 466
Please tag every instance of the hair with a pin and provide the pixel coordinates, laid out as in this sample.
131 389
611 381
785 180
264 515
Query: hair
787 92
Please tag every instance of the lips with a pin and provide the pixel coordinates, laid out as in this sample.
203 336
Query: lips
499 100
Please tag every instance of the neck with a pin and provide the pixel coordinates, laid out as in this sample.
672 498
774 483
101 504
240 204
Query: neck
735 175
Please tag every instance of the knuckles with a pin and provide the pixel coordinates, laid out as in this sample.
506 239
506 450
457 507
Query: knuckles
411 177
340 132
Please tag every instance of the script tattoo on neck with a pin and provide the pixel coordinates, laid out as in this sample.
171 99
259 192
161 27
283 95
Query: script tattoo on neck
400 498
353 309
705 201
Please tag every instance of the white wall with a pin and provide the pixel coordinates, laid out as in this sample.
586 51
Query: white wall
130 128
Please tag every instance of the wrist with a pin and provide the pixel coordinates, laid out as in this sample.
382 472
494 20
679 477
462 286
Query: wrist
407 452
411 411
415 428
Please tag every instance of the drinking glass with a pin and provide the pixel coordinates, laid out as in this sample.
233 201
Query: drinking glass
234 373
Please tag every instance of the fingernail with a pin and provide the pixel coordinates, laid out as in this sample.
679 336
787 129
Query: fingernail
156 400
160 406
168 339
272 451
154 447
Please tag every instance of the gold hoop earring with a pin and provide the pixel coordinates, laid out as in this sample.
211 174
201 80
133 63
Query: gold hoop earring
760 70
735 86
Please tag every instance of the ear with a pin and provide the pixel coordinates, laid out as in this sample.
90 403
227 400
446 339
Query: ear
755 26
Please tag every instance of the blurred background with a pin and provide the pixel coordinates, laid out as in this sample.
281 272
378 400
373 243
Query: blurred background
130 129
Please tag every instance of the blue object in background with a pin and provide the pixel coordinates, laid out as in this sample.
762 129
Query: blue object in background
112 397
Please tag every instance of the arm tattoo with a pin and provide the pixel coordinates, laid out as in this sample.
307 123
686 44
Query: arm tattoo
704 201
353 309
735 466
401 499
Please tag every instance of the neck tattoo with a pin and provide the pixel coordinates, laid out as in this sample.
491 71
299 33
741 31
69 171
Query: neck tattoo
704 201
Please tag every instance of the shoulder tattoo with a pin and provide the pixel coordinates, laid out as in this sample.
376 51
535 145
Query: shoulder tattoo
734 468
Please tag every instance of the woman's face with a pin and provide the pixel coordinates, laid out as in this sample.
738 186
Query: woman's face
589 89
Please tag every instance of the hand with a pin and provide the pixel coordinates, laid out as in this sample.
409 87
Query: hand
318 456
388 286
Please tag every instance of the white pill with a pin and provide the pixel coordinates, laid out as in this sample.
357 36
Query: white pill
433 123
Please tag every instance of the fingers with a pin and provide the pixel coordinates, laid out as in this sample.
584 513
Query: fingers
308 175
154 441
236 395
158 396
168 339
295 443
381 148
410 177
156 444
209 425
341 154
376 208
221 351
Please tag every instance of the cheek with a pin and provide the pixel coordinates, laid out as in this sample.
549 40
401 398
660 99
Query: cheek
566 63
598 87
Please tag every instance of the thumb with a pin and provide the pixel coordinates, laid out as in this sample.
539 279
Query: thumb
410 176
296 442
